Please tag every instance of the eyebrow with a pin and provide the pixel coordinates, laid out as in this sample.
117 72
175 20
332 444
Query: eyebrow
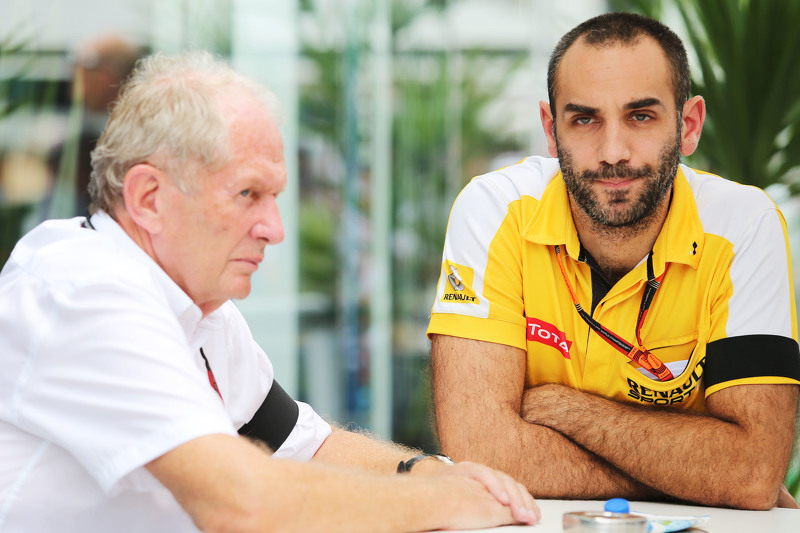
636 104
644 102
580 109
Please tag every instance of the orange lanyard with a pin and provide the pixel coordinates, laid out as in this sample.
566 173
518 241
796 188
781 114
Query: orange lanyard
638 354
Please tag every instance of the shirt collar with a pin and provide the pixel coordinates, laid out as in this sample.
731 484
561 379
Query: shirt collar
552 222
186 311
680 240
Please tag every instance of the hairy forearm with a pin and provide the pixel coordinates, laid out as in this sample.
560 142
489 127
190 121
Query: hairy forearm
242 489
361 452
478 389
345 501
545 461
691 457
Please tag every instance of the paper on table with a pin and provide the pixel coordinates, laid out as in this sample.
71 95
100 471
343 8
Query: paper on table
668 524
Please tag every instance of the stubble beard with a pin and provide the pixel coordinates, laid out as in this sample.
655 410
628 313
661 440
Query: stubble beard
607 216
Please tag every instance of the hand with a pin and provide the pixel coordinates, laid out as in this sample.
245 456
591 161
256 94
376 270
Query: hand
502 487
543 403
785 499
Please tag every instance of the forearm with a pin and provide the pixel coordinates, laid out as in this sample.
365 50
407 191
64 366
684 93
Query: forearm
360 452
354 450
242 489
478 388
690 457
546 462
332 499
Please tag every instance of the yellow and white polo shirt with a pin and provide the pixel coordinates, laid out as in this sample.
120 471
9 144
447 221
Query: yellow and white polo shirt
724 314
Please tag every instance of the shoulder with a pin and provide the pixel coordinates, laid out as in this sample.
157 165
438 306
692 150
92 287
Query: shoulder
529 177
497 198
725 207
64 258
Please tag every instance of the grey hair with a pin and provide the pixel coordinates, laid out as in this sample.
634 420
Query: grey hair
168 114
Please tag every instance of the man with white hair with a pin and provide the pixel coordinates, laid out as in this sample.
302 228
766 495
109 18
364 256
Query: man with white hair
133 396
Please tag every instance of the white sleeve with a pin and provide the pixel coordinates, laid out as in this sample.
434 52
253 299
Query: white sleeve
761 302
307 436
249 380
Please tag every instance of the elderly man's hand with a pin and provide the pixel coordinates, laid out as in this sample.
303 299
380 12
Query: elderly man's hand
499 484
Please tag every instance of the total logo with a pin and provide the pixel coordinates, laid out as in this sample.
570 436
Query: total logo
547 334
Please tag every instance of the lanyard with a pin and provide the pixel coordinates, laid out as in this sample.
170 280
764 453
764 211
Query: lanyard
638 354
211 379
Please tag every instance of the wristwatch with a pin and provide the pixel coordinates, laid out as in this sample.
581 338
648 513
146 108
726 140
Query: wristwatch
405 466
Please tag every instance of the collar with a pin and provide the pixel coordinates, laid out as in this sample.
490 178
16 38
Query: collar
186 311
680 240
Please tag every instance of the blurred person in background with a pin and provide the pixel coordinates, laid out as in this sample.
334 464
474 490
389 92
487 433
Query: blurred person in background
133 395
100 66
609 322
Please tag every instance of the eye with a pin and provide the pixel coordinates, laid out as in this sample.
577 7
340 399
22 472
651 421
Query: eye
641 117
583 120
245 193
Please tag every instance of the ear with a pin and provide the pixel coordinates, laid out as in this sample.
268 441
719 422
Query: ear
141 187
549 127
694 115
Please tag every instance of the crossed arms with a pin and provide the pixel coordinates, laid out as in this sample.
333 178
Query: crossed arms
564 443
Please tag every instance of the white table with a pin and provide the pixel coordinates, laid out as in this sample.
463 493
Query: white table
722 520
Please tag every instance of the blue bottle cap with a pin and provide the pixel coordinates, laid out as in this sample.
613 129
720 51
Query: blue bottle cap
617 505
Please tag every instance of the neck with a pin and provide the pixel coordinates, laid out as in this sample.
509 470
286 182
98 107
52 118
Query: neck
618 250
138 234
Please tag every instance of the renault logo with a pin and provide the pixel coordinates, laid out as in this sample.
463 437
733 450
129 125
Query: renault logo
455 279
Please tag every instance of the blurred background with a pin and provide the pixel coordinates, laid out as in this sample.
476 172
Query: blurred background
391 106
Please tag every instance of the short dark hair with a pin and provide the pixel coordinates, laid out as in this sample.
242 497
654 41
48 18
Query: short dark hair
625 28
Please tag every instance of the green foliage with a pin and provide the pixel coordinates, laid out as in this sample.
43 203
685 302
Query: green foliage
431 138
749 52
792 479
438 141
318 257
15 62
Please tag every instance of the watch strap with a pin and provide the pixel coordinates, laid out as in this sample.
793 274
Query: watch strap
405 466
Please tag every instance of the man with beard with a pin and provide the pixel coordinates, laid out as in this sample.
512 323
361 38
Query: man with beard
610 322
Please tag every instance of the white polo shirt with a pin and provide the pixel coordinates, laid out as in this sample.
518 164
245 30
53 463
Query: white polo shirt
101 372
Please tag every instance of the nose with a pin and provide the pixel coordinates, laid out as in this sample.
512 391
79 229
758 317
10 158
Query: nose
269 226
614 144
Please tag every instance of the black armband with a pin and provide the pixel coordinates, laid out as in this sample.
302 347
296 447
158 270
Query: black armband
751 356
274 420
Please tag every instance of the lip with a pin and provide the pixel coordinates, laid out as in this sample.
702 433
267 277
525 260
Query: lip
253 261
616 184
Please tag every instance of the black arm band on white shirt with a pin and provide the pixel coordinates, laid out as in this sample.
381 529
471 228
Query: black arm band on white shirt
274 420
